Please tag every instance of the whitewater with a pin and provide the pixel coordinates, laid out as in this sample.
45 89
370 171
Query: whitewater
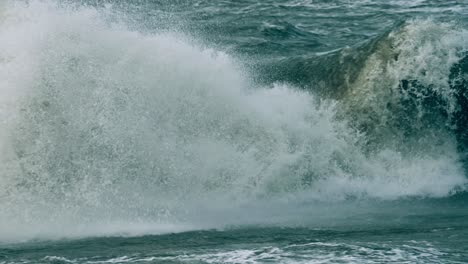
113 130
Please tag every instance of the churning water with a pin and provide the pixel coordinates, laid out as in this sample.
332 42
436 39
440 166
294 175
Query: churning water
243 132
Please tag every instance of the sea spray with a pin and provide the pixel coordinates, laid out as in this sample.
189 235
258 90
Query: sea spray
110 131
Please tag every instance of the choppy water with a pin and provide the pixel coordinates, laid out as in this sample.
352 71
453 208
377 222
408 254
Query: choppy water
233 131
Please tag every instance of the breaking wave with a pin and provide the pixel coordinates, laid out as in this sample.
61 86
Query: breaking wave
105 130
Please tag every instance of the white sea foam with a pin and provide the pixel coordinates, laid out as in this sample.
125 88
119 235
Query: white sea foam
315 252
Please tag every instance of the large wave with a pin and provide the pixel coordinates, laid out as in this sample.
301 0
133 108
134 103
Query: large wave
105 130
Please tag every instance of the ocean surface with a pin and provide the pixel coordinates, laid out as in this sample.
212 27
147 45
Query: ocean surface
215 131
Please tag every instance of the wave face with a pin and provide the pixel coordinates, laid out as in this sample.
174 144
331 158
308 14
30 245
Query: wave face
410 87
405 89
106 130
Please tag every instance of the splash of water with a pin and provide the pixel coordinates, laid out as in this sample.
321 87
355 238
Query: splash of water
107 131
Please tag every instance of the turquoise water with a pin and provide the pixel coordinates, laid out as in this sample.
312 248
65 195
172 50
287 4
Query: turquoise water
233 131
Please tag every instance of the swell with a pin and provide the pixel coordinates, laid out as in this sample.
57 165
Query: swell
109 131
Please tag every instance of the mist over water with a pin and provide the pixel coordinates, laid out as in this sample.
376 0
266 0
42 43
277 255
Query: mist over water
106 130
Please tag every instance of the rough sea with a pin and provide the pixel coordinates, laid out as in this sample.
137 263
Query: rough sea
233 131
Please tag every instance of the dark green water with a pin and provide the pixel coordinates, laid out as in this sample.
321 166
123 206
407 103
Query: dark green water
233 131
